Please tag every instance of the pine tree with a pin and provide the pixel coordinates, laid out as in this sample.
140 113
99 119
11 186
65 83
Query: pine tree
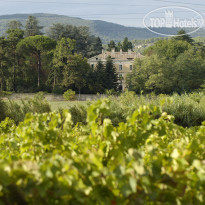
181 35
111 45
126 45
36 47
4 72
14 36
119 46
15 25
100 77
111 75
98 45
32 28
64 50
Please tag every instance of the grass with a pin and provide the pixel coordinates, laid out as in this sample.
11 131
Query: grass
56 105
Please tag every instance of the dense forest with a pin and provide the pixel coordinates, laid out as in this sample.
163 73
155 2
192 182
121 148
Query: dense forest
31 61
171 65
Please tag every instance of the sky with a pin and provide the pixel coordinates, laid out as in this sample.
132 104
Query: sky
128 13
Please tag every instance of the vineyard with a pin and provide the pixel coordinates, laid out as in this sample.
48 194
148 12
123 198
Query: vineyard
148 159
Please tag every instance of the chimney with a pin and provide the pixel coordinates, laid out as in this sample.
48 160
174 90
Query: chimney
103 51
121 51
113 50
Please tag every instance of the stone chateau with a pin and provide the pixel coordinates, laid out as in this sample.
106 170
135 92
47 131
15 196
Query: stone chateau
123 62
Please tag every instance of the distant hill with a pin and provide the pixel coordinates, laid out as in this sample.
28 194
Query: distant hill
103 29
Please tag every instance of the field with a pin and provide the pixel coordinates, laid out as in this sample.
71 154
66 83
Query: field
119 150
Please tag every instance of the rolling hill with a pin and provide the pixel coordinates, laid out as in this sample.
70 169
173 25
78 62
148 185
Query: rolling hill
103 29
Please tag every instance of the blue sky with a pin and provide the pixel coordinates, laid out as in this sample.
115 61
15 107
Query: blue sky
128 13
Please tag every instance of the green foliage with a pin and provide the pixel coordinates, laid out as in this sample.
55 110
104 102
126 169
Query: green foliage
14 36
125 45
13 25
17 111
86 44
169 49
69 95
169 66
188 110
181 35
145 160
78 113
97 78
111 92
5 93
111 75
111 45
69 68
2 110
38 48
32 28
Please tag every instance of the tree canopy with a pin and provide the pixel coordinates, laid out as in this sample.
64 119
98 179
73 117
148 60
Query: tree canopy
174 65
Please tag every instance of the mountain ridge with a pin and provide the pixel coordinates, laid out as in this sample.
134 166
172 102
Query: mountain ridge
105 30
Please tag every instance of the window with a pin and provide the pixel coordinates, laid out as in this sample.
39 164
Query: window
92 66
120 67
131 67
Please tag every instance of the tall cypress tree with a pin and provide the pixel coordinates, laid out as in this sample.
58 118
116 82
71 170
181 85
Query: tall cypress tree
111 75
100 77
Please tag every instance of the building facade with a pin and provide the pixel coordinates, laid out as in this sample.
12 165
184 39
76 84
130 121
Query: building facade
123 62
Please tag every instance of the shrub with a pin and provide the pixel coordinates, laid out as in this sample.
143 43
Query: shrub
79 113
57 90
188 110
4 93
69 95
18 110
112 92
2 110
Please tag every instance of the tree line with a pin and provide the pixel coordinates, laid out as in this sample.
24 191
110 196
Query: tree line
173 65
125 45
31 61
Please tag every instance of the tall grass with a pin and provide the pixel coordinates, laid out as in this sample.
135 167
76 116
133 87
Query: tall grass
188 109
17 110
